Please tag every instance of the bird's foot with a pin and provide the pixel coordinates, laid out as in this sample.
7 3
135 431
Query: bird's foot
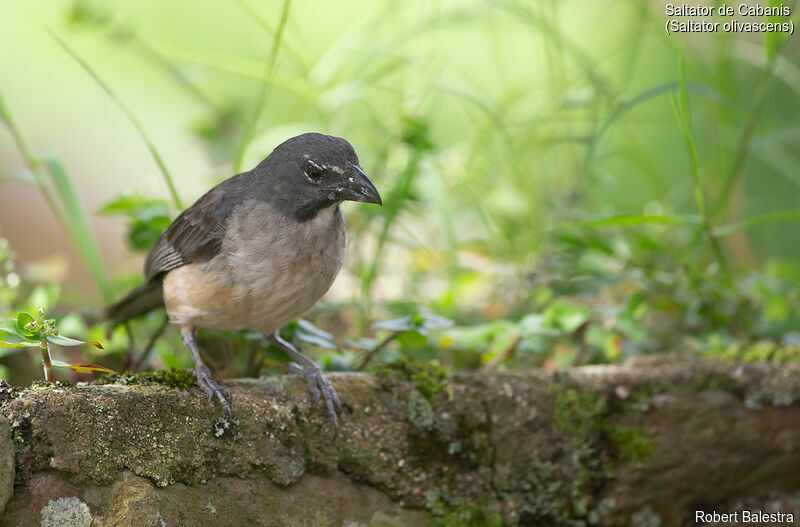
320 386
212 388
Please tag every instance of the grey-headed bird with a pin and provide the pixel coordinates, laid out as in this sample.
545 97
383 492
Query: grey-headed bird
255 252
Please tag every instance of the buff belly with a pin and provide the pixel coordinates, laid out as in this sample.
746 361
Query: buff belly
269 270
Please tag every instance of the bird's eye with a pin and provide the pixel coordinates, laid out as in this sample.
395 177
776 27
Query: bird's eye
314 171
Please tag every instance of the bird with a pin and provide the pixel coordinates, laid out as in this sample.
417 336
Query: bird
255 252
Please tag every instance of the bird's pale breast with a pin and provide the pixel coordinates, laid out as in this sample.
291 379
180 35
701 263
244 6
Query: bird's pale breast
270 269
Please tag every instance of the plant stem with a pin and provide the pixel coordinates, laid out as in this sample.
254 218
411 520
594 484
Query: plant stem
46 363
263 94
62 200
394 207
743 147
131 116
149 346
371 353
685 121
33 163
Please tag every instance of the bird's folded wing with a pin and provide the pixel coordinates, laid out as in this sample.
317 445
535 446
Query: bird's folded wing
196 234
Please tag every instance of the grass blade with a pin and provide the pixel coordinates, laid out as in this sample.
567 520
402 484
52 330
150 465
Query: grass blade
774 40
683 111
63 202
32 162
267 27
771 217
632 220
263 94
78 225
131 116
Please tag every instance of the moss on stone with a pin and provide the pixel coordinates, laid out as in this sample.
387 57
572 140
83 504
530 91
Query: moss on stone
430 377
18 439
460 513
419 411
565 492
579 413
632 444
173 378
49 385
762 351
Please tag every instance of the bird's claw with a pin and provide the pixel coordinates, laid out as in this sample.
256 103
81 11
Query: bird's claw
207 383
320 387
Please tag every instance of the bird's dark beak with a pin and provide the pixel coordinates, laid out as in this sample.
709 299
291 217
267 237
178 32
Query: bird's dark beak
358 187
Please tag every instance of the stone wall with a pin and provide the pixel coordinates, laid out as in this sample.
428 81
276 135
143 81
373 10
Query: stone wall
645 443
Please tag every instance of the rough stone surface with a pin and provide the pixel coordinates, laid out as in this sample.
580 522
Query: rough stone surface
6 464
530 448
133 501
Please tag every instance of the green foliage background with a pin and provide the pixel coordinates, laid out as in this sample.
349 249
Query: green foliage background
562 180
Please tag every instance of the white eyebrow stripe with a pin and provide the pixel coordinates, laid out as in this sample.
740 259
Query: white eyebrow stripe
325 166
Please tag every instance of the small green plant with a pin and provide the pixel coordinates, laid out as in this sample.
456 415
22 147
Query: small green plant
27 331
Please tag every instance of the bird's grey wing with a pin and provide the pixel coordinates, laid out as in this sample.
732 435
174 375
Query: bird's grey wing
197 233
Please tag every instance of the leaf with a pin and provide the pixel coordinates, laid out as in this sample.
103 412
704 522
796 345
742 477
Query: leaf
567 317
134 205
417 321
433 321
537 324
308 332
362 343
23 319
147 217
66 341
412 339
82 367
12 340
405 323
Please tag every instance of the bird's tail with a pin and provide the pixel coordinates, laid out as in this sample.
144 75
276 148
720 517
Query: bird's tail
140 301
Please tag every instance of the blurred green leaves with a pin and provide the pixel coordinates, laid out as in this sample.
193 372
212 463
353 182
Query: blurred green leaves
774 40
147 218
558 211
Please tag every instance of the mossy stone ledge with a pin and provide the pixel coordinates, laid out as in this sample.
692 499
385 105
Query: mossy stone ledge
635 444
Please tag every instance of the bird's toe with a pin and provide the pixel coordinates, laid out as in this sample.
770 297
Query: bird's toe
207 383
321 388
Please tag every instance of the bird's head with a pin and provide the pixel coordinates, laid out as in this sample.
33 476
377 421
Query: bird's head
313 171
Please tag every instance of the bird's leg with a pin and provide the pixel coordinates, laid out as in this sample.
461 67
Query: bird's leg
308 370
201 371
